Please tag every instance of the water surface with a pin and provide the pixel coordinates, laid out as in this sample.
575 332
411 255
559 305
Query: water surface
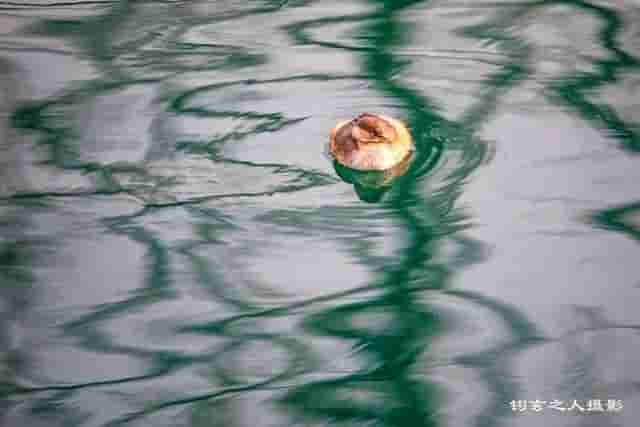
176 248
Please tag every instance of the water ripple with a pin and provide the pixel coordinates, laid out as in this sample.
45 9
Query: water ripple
210 262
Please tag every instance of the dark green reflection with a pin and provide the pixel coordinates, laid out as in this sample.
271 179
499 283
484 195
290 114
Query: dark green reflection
392 323
393 328
620 219
576 90
371 186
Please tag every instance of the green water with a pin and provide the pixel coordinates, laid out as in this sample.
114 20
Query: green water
177 249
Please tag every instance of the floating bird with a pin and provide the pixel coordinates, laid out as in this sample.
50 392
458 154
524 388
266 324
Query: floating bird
370 142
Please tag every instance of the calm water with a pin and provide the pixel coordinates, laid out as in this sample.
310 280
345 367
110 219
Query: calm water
176 248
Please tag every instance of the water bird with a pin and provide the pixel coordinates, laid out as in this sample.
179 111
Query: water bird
370 142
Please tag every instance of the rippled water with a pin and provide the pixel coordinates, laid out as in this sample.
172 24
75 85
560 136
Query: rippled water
176 248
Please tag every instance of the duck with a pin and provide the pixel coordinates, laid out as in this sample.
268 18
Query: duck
370 142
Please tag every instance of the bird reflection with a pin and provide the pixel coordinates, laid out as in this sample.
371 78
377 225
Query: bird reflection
371 186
